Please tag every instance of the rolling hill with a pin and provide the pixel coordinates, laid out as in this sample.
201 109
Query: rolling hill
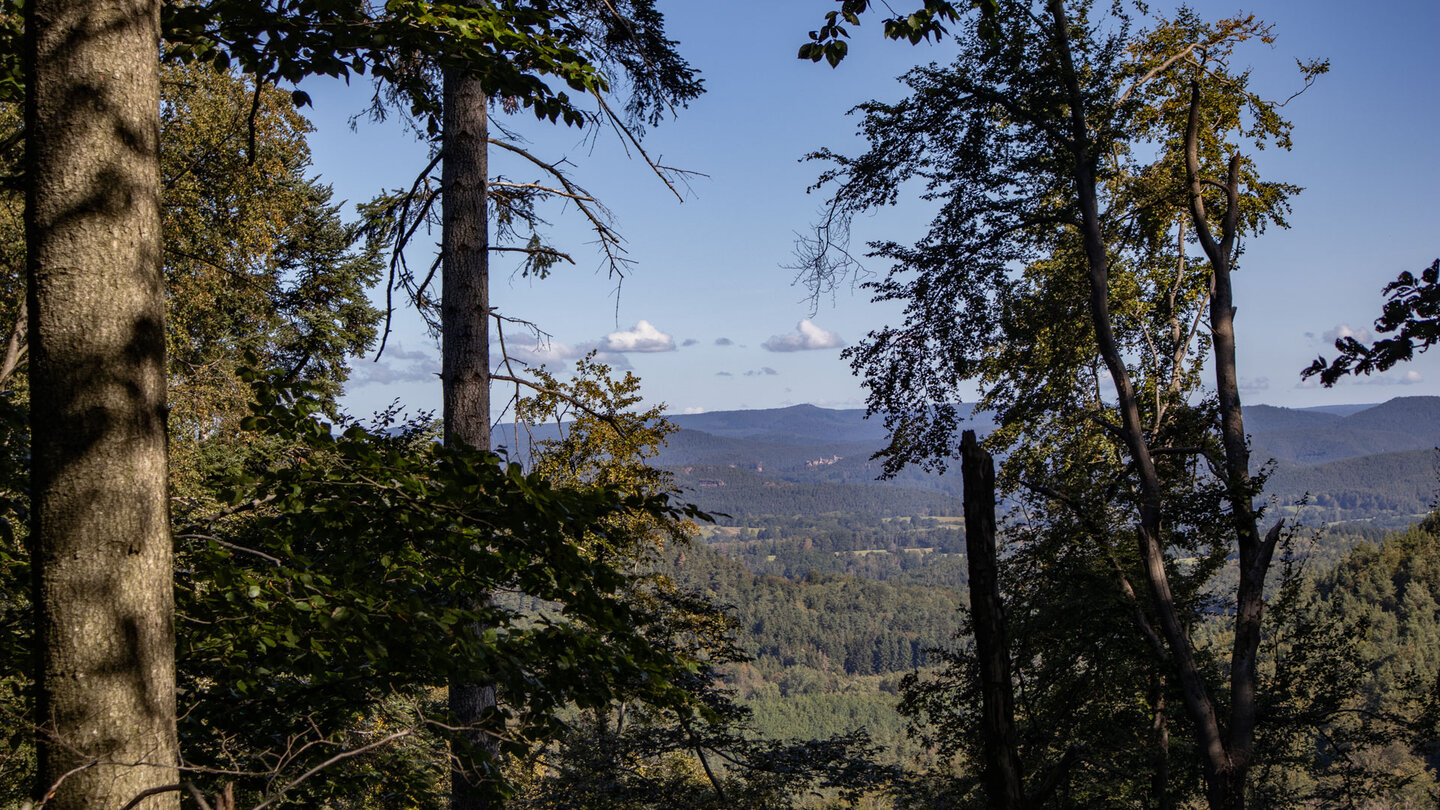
1372 463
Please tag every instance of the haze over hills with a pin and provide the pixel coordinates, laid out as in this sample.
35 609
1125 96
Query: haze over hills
1357 462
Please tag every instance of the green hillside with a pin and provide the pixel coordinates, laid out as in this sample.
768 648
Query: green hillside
1390 489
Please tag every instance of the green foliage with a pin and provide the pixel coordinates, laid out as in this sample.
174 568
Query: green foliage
1353 659
536 55
17 754
1087 681
1412 312
12 37
928 21
349 565
985 136
1056 273
257 260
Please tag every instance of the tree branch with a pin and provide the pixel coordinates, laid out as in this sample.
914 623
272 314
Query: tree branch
17 347
340 757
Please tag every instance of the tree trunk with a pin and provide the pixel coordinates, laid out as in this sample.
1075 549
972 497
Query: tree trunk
1004 787
465 357
1255 553
1198 702
100 532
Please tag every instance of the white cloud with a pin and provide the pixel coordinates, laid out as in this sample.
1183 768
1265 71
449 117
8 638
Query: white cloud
1252 384
724 341
689 342
807 336
765 371
694 409
642 337
1344 330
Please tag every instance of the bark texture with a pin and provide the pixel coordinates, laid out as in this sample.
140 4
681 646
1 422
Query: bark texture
465 355
100 533
1004 786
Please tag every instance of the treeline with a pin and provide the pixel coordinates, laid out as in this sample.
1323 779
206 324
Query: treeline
825 622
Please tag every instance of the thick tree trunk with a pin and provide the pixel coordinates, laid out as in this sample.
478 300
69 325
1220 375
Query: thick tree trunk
101 534
465 355
1004 785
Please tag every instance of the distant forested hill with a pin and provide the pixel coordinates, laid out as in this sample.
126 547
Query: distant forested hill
1389 593
1357 462
800 424
1391 488
737 493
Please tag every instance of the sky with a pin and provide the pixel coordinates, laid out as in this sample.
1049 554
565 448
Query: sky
709 317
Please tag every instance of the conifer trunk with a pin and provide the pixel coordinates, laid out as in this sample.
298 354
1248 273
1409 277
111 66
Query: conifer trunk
465 356
1004 785
100 525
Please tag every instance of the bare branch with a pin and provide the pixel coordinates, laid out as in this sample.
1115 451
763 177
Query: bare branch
535 251
403 235
538 187
157 791
254 503
231 546
598 216
626 134
200 797
17 347
1156 71
340 757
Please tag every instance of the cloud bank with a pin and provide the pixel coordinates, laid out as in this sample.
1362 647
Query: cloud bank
396 365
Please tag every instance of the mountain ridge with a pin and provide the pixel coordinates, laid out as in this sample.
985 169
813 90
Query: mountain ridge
1356 462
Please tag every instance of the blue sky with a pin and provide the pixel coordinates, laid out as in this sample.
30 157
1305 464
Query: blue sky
709 318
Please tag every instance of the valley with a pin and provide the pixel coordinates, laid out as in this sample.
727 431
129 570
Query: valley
841 584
